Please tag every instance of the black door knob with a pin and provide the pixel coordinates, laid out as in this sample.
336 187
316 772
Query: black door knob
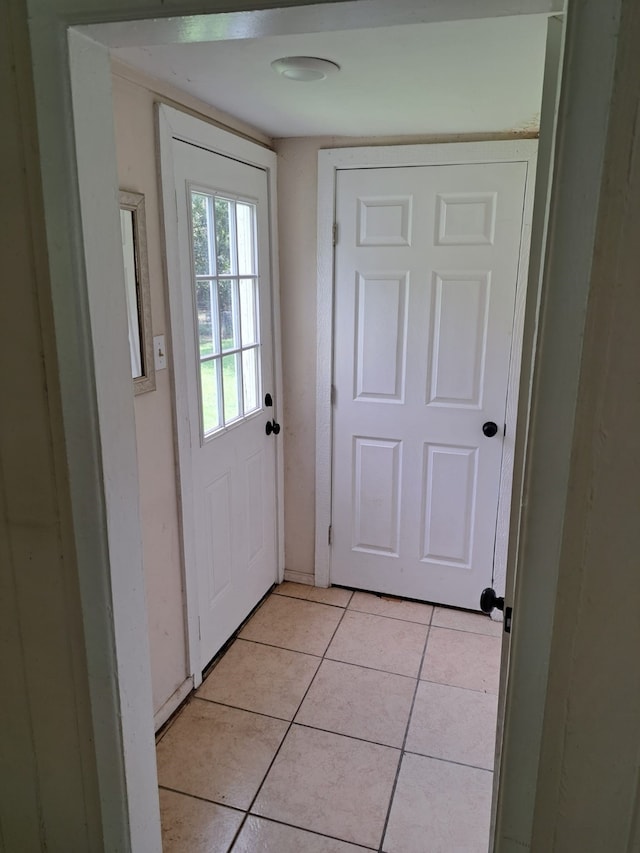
272 427
490 601
489 429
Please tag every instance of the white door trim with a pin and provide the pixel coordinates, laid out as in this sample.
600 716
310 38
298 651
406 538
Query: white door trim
173 124
329 162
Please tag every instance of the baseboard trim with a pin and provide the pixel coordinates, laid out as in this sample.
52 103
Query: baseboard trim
299 577
173 703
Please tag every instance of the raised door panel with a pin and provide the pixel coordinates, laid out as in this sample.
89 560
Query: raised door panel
384 221
376 495
381 334
449 490
256 504
458 338
217 501
465 219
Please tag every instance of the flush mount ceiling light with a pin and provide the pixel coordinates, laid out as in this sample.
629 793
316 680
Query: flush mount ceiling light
304 69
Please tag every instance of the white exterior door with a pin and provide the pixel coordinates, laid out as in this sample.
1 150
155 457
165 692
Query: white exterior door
223 241
426 266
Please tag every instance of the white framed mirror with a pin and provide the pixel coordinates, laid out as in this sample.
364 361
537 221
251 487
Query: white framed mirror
136 271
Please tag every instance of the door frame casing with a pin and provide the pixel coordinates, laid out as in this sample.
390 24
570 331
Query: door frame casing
173 124
330 161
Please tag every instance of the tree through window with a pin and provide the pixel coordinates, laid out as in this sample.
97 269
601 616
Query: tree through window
223 235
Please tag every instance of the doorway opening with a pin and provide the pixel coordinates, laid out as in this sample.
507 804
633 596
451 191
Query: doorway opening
293 570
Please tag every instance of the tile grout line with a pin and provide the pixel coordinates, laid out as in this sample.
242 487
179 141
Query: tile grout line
349 663
400 618
446 760
404 741
273 646
201 799
370 668
368 612
240 708
360 665
261 817
386 616
358 846
333 731
459 687
315 600
290 726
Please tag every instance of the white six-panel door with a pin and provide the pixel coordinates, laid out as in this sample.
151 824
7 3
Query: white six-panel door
223 241
426 265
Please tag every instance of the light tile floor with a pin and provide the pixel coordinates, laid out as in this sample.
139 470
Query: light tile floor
338 722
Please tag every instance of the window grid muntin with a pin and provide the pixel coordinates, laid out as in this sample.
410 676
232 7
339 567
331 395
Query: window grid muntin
219 354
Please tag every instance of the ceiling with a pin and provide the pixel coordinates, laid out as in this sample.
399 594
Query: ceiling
437 78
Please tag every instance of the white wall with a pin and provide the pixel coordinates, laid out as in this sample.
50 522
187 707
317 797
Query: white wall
297 206
134 96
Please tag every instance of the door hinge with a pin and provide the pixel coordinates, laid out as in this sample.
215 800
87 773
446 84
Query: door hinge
329 536
333 395
508 619
505 430
335 233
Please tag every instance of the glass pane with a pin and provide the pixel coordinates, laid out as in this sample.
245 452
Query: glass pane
205 309
228 308
246 246
224 230
132 291
230 377
250 380
200 223
248 311
210 380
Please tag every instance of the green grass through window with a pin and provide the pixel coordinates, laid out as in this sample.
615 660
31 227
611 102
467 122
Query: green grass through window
210 414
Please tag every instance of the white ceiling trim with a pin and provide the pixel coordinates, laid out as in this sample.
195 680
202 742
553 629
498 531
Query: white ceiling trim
322 17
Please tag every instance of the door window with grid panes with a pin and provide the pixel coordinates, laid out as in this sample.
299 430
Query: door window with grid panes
223 232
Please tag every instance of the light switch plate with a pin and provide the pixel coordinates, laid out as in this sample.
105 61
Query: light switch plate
159 352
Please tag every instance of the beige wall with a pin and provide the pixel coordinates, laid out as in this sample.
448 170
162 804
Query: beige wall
133 111
48 770
588 795
134 96
297 223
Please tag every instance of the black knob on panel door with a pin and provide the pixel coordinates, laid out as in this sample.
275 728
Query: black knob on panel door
490 429
272 427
